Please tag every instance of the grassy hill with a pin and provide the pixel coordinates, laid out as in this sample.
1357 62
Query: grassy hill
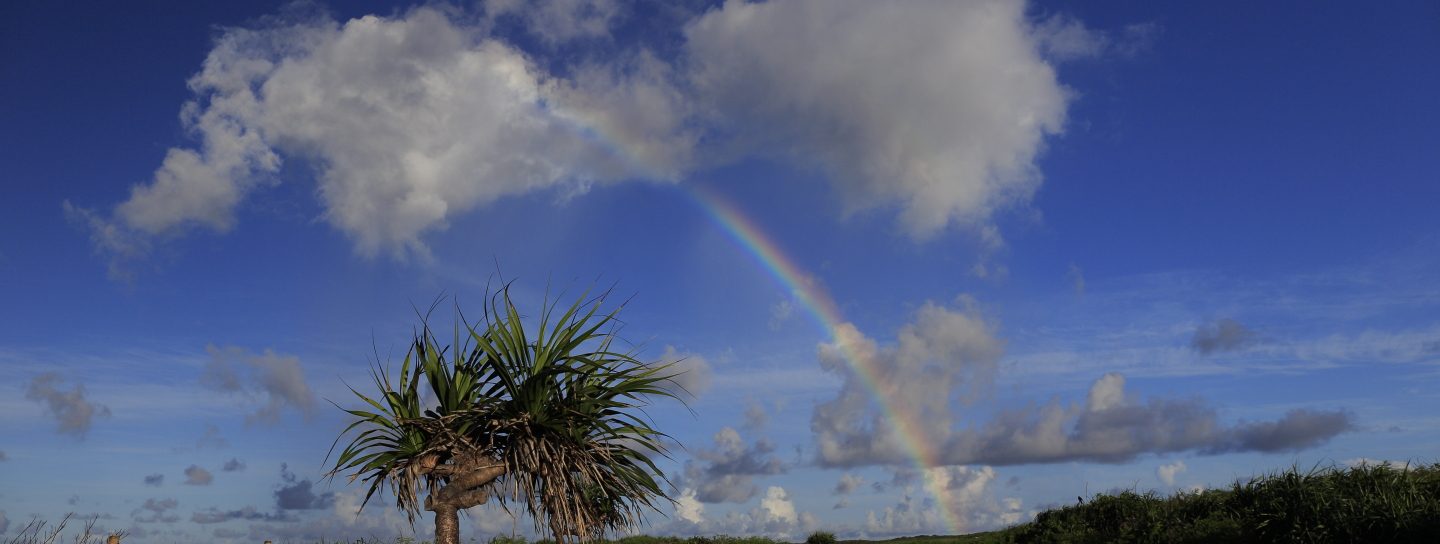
1368 503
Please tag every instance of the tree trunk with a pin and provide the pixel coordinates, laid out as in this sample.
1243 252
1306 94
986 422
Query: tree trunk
464 491
447 525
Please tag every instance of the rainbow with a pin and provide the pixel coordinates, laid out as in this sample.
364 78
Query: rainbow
818 303
812 297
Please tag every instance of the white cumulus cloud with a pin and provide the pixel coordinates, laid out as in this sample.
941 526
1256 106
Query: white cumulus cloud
410 121
689 508
936 108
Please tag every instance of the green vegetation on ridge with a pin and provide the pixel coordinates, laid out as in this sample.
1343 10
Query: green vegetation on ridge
1367 503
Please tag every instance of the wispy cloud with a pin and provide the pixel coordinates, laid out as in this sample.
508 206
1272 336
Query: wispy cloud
156 511
1222 335
248 513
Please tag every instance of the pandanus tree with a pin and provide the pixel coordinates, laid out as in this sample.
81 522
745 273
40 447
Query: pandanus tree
553 424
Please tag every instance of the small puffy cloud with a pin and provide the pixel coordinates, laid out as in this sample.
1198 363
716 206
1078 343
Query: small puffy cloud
156 511
277 381
692 371
73 413
848 483
1106 393
726 472
1167 472
233 465
689 508
155 480
943 120
296 494
194 475
778 506
1221 336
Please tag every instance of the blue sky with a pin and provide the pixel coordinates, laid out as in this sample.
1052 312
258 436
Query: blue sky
1105 246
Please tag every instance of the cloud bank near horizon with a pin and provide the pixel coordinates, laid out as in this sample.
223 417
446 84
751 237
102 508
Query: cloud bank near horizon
945 360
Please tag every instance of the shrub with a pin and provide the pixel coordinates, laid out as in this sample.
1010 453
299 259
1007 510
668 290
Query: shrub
821 537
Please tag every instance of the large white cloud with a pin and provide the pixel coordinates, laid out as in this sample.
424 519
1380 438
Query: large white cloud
935 109
409 122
